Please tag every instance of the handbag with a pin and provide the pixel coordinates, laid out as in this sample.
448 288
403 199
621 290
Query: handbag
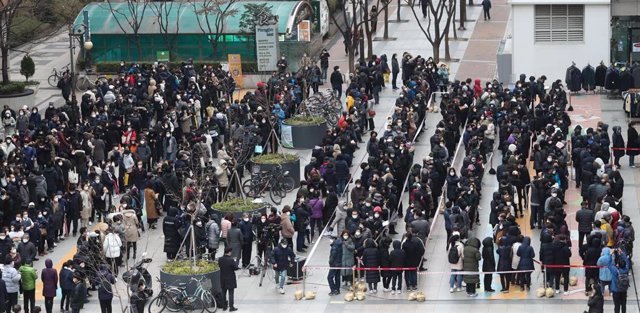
386 77
73 176
372 113
43 232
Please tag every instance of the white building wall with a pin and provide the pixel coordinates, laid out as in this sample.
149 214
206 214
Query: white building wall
552 59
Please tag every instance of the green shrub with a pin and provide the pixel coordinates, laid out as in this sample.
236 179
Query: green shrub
235 205
305 120
12 88
275 158
185 267
27 67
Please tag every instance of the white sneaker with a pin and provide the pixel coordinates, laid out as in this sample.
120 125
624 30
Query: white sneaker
90 223
393 292
459 289
566 293
375 290
386 289
557 291
399 291
451 290
281 291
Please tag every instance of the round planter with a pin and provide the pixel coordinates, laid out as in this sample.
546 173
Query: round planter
209 281
304 136
16 101
238 215
292 167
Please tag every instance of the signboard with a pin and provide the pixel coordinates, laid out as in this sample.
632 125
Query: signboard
324 17
636 47
304 31
267 47
286 137
235 68
162 56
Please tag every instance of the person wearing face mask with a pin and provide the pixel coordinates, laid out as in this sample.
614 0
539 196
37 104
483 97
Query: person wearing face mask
335 260
27 249
235 240
303 214
282 257
287 230
247 239
452 185
131 234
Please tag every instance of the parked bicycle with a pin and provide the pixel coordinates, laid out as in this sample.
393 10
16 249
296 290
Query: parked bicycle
277 181
205 295
175 299
56 76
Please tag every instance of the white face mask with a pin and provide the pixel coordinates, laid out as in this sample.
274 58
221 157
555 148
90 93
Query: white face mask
354 216
263 220
199 224
376 215
554 194
368 204
25 240
245 219
284 246
345 237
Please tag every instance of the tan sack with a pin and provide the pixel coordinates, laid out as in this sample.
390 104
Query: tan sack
549 292
349 296
360 295
540 292
298 294
310 295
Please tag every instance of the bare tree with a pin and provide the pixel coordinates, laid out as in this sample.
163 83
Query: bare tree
442 10
213 13
163 13
463 15
7 18
130 18
353 29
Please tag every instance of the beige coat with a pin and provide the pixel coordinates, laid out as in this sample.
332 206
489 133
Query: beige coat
131 224
287 226
150 197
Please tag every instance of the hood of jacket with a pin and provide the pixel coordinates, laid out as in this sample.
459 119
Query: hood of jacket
596 242
397 244
605 251
546 238
488 243
604 207
526 241
473 242
48 263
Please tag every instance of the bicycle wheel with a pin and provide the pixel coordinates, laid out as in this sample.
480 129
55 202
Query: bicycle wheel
192 304
276 195
158 304
209 301
53 80
248 189
82 84
287 183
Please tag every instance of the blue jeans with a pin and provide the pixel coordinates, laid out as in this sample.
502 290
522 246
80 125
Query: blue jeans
334 280
281 278
342 184
300 240
411 278
631 157
455 280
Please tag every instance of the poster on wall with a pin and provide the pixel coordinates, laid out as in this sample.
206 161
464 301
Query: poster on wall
235 68
267 47
286 137
636 47
304 31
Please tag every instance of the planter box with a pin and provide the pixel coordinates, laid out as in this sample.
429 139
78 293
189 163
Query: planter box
302 136
209 281
16 101
238 215
292 167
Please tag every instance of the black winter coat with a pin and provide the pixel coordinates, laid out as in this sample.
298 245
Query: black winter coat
78 296
371 258
618 142
488 257
632 141
584 217
397 257
414 250
601 72
588 78
504 257
626 80
561 253
228 268
612 79
171 236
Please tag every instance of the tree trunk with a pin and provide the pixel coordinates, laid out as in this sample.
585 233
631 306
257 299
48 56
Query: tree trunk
367 28
352 61
471 2
447 53
5 64
386 22
436 51
463 14
398 12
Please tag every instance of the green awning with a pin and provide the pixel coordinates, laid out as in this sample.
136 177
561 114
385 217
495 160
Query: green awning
117 18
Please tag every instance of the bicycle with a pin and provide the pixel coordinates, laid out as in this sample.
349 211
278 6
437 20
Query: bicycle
278 183
205 295
56 76
175 299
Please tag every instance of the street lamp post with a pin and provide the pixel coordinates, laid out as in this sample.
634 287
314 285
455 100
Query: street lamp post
80 33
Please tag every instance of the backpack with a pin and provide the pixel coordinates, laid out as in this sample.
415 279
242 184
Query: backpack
622 282
454 255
